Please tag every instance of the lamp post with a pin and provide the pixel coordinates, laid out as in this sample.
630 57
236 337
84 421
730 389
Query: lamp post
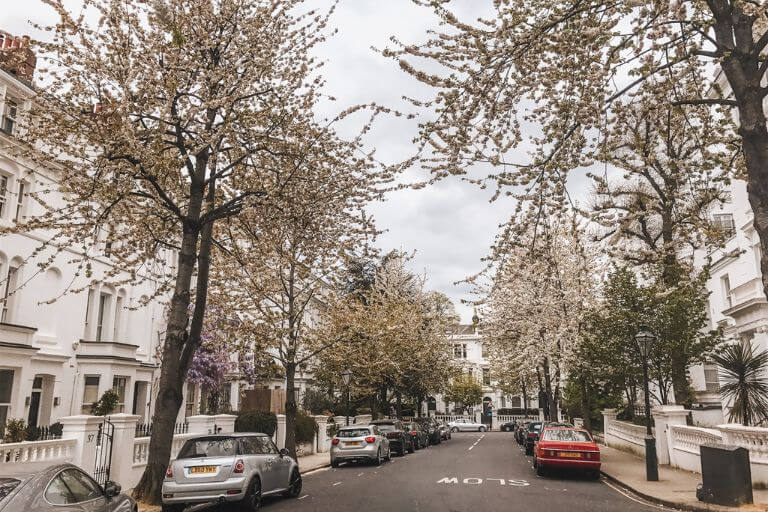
346 376
644 340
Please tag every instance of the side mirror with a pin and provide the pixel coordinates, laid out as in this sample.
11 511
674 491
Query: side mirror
111 489
283 452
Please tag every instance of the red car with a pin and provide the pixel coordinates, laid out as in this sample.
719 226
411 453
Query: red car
566 448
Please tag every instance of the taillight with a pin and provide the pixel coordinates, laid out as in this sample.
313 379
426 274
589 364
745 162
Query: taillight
414 433
169 472
370 439
335 441
239 466
531 434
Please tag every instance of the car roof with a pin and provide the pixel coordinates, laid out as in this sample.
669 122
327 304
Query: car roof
26 470
350 427
383 422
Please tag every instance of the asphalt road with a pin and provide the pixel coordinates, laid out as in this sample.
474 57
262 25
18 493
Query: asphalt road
472 472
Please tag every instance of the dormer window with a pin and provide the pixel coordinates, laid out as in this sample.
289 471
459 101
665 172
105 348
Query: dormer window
10 113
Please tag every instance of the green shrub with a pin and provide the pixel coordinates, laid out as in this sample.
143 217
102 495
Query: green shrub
15 431
256 421
306 426
106 404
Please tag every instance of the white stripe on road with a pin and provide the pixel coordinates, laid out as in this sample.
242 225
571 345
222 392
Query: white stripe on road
302 497
337 483
478 440
360 474
652 505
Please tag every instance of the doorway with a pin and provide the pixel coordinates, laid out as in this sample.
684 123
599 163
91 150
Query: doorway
34 401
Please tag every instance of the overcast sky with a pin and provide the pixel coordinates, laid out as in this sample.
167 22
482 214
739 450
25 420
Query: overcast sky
449 225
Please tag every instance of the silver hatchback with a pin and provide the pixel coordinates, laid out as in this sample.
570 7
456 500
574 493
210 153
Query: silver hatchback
359 443
239 468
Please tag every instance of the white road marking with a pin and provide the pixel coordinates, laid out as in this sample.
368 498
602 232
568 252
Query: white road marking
302 497
337 483
478 440
661 507
360 474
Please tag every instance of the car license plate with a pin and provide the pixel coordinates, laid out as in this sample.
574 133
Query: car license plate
202 469
354 443
570 455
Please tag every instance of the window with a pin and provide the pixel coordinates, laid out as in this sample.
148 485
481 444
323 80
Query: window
9 116
57 493
486 376
726 286
80 486
118 385
11 283
515 402
190 405
209 447
90 392
724 222
484 350
711 378
118 315
20 201
460 351
3 194
103 298
6 389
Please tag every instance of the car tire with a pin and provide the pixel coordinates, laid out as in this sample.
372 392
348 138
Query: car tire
177 507
252 500
529 451
294 485
389 455
507 429
481 429
377 460
540 471
411 449
454 429
594 475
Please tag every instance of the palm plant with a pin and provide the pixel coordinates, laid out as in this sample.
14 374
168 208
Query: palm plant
743 372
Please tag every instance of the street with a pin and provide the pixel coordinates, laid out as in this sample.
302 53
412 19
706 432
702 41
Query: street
471 472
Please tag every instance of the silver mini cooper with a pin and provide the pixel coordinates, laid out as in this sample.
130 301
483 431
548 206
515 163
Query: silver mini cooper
359 443
239 468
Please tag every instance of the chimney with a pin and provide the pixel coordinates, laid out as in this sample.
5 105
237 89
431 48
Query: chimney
16 56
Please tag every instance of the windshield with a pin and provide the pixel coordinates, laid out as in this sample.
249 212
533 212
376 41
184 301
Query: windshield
209 447
571 436
7 485
354 432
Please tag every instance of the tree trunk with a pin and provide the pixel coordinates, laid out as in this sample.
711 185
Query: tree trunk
525 397
586 406
399 404
290 409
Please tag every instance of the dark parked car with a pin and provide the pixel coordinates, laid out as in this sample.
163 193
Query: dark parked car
521 431
445 431
400 440
418 433
532 436
42 487
509 426
432 427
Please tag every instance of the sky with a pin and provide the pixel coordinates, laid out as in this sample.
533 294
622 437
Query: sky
448 226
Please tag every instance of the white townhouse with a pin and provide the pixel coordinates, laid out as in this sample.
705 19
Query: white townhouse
736 301
60 351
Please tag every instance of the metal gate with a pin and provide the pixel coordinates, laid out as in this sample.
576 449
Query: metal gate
103 452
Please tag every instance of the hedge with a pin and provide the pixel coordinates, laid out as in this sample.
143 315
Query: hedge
256 421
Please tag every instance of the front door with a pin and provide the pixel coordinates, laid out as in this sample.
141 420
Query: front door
34 408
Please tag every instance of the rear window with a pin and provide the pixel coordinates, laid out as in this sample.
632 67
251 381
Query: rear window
354 432
566 435
208 447
536 427
7 485
386 427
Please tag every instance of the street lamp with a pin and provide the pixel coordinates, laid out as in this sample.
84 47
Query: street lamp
644 340
346 376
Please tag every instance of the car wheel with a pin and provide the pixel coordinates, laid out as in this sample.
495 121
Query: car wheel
389 455
481 429
528 451
594 475
377 460
294 486
252 500
507 429
540 471
411 449
454 429
178 507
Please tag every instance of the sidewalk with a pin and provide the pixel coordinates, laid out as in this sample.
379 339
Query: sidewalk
306 464
675 488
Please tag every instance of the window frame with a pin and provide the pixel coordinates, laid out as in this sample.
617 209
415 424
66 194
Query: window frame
58 475
4 188
10 122
85 388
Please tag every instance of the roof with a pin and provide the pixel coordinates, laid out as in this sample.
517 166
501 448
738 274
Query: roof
350 427
22 470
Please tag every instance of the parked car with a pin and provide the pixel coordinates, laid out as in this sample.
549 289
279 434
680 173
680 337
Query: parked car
400 440
509 426
359 443
531 436
432 428
445 431
465 425
42 487
521 431
418 434
236 468
567 448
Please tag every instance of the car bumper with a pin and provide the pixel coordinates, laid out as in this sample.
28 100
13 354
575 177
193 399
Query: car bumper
364 452
586 465
204 492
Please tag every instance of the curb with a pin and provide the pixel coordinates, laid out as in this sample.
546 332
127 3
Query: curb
703 507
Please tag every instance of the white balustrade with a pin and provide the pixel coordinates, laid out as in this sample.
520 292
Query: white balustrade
621 434
59 450
754 439
689 439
